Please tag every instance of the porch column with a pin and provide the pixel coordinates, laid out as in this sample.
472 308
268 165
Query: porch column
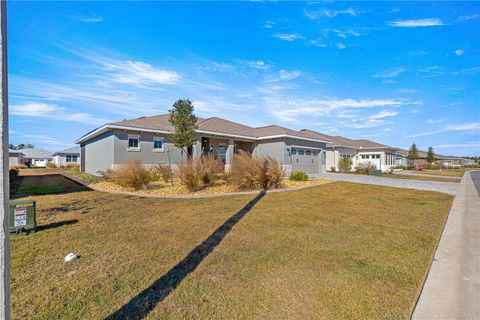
197 148
229 155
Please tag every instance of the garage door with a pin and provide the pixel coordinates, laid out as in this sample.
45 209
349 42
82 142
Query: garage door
305 160
372 158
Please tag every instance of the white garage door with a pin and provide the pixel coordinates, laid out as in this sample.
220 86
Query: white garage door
372 158
305 160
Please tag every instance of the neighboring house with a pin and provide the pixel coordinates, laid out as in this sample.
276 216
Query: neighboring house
359 151
15 157
64 157
148 140
36 157
440 160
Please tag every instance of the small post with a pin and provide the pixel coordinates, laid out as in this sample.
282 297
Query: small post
4 179
170 166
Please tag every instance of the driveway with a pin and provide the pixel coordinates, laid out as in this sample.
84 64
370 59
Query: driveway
446 187
452 288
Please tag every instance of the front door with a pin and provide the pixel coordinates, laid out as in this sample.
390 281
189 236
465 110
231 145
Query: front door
222 153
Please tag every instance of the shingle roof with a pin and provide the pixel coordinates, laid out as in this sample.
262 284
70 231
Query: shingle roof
213 124
37 153
71 150
14 151
366 144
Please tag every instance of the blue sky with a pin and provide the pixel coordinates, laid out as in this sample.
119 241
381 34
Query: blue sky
395 73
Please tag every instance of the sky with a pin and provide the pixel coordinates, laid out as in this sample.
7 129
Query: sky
394 73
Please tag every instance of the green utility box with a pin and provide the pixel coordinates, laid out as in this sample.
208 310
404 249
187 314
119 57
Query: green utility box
377 173
22 216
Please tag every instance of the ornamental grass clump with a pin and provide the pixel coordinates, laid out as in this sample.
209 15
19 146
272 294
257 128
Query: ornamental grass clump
251 173
133 175
365 168
211 169
191 175
162 172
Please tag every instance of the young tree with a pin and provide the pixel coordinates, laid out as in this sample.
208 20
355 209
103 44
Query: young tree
412 154
184 122
430 155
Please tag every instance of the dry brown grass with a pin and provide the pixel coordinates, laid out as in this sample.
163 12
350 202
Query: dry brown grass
162 171
325 252
445 172
411 177
132 174
251 173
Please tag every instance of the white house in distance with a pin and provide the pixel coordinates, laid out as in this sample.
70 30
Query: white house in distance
36 157
15 157
64 157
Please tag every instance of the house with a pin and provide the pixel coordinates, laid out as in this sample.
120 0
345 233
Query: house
64 157
15 157
440 160
359 151
148 140
36 157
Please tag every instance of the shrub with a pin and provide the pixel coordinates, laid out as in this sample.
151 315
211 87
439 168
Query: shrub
162 171
365 168
345 164
211 169
400 167
191 174
274 174
51 165
73 166
15 181
250 173
106 175
133 175
298 176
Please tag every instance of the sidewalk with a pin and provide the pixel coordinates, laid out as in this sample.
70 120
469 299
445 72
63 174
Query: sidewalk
452 288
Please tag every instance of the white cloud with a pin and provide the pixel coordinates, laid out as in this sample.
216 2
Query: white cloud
140 73
41 139
391 73
330 13
464 127
469 17
43 110
431 22
284 75
459 52
432 121
473 70
317 43
269 24
418 53
92 19
340 46
383 114
288 36
257 64
458 145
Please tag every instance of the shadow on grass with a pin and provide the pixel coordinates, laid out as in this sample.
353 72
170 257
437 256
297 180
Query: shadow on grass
54 225
139 306
48 184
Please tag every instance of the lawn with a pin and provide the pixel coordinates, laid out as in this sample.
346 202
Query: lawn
340 250
411 177
445 172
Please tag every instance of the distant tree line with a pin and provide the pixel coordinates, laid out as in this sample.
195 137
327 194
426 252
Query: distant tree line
20 146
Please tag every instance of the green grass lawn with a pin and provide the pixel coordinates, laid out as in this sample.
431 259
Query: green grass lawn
411 177
340 250
47 184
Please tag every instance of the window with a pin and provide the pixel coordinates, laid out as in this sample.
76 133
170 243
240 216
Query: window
293 151
308 152
133 143
301 152
157 144
71 158
346 156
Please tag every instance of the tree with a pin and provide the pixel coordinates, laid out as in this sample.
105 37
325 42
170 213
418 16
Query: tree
345 164
184 122
430 155
11 146
412 154
23 146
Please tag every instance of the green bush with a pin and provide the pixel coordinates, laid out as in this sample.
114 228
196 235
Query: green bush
345 164
15 181
298 176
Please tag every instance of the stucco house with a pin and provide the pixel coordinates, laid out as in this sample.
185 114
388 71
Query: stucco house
440 160
15 157
64 157
148 140
359 151
37 157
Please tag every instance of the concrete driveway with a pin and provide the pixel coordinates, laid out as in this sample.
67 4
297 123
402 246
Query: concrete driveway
446 187
452 288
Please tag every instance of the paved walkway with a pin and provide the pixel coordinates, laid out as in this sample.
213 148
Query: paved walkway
411 173
452 288
446 187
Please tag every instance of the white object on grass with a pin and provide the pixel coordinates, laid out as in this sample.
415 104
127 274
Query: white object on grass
71 256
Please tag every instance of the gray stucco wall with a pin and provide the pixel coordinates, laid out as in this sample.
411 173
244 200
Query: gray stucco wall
15 158
274 148
146 155
99 153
